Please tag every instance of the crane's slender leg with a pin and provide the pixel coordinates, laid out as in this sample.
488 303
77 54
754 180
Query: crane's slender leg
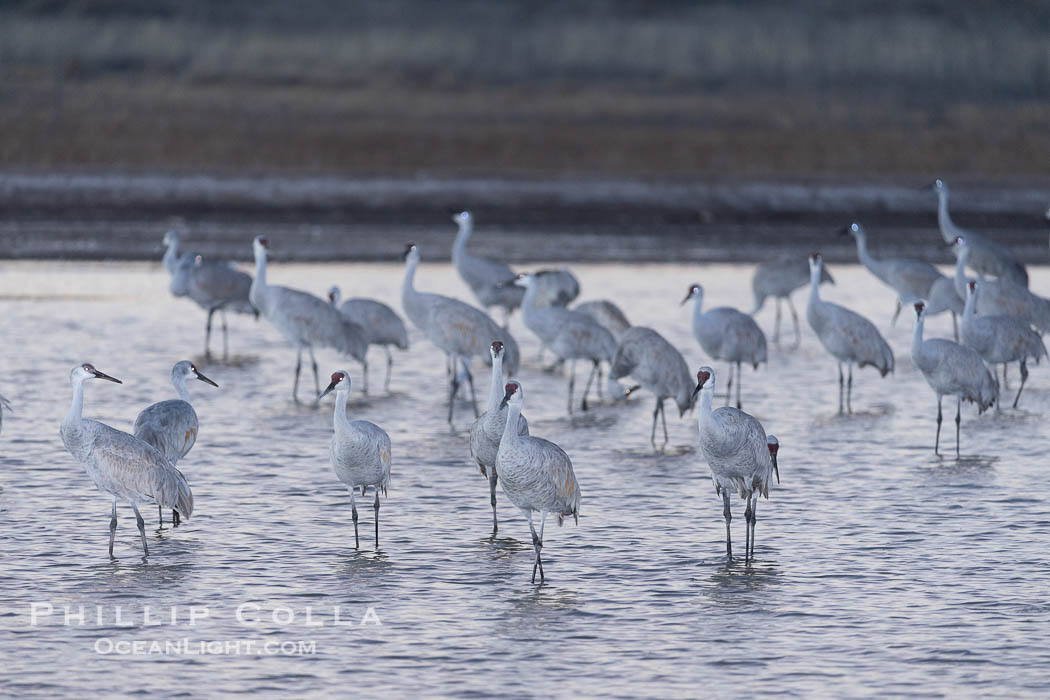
776 325
112 527
849 387
896 313
572 381
794 322
841 386
537 545
176 519
298 367
729 384
1006 382
207 334
470 382
452 390
364 374
747 530
937 440
663 419
598 365
739 381
492 499
1024 376
754 519
225 337
652 433
353 514
142 529
376 507
587 389
958 421
389 368
955 326
729 517
317 380
160 516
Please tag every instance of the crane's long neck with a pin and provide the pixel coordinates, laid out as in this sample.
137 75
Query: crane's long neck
960 273
171 256
529 300
814 285
864 256
496 386
340 421
260 269
698 309
178 380
408 285
704 415
76 409
916 338
944 220
459 248
510 430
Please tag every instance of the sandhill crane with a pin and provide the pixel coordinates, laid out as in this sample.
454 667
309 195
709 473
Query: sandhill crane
739 454
171 426
536 474
1000 339
360 451
846 335
304 320
656 365
778 278
1001 296
728 335
570 335
4 405
213 285
987 256
487 430
484 277
952 369
607 314
120 464
457 329
912 280
382 325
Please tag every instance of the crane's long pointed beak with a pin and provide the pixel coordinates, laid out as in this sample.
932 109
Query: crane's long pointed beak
103 375
506 398
206 380
776 469
326 392
687 298
697 391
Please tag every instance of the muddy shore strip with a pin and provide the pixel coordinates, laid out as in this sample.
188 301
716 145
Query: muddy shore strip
123 216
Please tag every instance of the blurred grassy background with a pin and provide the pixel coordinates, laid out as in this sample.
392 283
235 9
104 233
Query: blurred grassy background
625 88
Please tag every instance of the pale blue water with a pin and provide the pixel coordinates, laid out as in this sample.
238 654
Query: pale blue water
881 569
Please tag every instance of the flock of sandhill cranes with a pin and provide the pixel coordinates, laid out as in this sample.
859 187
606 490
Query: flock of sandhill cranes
1001 323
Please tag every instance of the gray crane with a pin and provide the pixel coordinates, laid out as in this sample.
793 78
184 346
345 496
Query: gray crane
644 355
912 280
987 256
607 314
213 285
952 369
1001 296
457 329
120 464
570 335
728 335
846 335
536 474
383 327
487 430
1000 339
304 320
740 455
778 278
484 277
171 426
360 451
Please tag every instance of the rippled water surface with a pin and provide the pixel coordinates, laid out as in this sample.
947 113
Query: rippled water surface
880 567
